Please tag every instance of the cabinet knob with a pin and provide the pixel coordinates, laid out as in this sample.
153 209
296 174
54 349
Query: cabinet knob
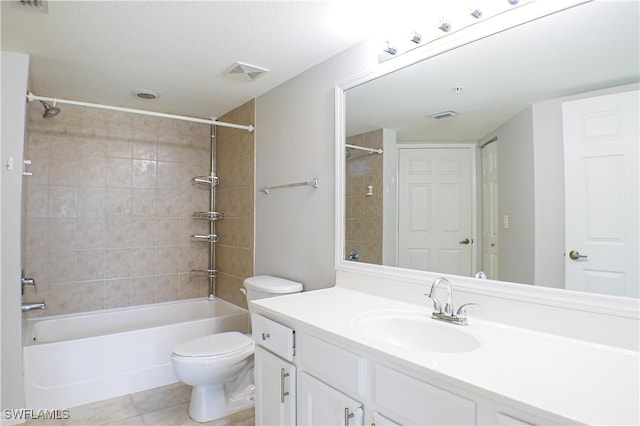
265 336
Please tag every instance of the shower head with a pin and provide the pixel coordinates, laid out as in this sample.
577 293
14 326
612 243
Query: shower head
49 111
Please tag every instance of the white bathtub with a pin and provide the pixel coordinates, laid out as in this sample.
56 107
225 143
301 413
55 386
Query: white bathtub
76 359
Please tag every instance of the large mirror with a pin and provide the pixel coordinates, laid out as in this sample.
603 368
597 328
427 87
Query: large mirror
474 159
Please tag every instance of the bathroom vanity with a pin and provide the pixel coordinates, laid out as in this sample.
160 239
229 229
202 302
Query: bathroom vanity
344 356
367 351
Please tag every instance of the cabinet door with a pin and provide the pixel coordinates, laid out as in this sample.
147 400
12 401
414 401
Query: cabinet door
275 389
323 405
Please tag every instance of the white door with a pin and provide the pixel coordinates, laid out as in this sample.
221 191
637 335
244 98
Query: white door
435 209
602 186
323 405
490 210
275 389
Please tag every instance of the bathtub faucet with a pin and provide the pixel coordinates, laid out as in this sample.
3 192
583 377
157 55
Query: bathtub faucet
26 307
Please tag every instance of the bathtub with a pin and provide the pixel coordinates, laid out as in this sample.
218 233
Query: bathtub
76 359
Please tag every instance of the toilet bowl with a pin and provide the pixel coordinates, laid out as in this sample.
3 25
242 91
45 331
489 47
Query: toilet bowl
220 366
212 364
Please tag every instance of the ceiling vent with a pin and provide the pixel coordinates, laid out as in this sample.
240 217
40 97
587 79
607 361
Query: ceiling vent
246 72
444 114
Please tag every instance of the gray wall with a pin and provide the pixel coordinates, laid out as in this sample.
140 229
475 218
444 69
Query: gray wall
15 73
295 141
548 159
516 198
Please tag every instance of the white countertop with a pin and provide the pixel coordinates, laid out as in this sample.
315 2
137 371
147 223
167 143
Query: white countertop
581 381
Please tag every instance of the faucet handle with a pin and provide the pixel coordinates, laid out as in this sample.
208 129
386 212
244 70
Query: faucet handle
28 281
462 310
448 309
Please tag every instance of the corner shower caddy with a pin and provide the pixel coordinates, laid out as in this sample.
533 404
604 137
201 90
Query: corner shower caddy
212 216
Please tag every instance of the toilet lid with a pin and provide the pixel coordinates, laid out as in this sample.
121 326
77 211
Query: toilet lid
214 344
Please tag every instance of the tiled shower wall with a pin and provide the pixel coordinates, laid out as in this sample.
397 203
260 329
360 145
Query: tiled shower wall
363 221
235 198
107 212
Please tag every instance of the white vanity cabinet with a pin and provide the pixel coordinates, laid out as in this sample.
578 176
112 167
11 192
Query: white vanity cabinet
322 405
275 375
342 383
332 384
276 390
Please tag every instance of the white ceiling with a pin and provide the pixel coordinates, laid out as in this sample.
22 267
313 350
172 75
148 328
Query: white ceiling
101 51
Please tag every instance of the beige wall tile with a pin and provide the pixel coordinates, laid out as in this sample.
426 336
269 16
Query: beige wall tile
236 199
108 209
117 293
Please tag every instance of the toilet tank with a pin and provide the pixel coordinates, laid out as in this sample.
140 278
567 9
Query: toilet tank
263 286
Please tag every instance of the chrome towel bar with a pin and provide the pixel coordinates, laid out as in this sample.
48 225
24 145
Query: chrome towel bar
313 183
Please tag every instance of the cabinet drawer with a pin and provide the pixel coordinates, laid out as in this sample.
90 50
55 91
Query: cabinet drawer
333 365
273 336
412 401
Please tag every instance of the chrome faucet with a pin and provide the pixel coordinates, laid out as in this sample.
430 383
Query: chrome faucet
447 313
26 307
354 256
27 281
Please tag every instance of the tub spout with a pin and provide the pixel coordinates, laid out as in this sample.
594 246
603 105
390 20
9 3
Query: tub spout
26 307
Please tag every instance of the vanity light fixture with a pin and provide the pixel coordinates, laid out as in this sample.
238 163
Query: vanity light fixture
443 25
475 12
390 49
415 37
456 20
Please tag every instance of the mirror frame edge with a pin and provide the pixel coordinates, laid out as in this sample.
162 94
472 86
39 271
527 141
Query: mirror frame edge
568 299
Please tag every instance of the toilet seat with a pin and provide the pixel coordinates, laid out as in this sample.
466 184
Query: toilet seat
214 346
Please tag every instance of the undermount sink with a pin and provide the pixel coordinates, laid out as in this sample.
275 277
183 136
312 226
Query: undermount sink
417 330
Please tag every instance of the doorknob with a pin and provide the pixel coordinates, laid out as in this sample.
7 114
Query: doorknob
465 241
575 255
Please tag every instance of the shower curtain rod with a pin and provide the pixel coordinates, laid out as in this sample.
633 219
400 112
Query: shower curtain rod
369 150
31 97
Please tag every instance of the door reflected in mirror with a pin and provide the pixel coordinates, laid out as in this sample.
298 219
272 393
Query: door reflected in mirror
537 156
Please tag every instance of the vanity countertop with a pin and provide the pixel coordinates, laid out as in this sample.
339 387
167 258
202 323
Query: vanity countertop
576 380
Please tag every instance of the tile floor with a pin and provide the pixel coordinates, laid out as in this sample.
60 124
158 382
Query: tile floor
166 405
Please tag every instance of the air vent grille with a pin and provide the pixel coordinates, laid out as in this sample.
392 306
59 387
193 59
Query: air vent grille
444 114
246 72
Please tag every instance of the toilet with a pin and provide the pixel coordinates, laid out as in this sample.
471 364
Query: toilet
220 366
